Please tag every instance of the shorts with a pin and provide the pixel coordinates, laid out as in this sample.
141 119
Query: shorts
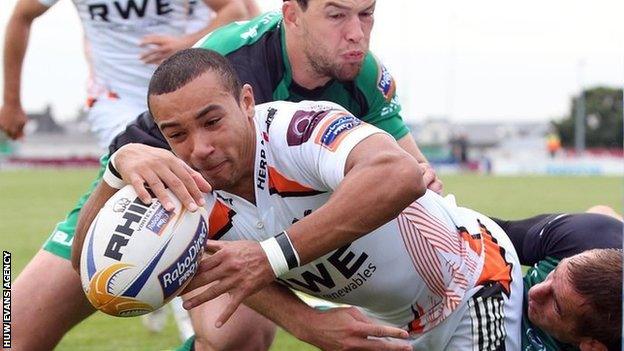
189 345
109 116
60 241
489 319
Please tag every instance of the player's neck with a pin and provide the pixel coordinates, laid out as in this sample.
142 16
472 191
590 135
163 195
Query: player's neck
245 187
302 71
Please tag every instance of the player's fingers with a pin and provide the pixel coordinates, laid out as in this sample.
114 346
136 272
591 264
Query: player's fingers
209 263
178 186
382 331
198 281
151 40
229 310
212 246
138 183
152 55
437 186
158 189
202 183
208 271
13 132
19 133
427 174
187 182
210 293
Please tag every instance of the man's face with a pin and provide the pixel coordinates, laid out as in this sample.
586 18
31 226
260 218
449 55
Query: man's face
554 306
209 129
335 36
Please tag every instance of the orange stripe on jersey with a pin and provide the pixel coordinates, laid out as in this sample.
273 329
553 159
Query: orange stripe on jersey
279 184
495 268
474 241
220 220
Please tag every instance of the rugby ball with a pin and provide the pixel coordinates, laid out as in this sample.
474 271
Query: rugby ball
136 257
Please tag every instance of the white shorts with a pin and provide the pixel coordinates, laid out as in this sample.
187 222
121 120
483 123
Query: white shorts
109 116
482 322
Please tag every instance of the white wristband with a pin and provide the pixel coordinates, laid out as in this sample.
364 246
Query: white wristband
111 176
275 256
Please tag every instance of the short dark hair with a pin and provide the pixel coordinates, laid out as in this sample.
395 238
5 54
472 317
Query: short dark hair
188 64
302 3
596 275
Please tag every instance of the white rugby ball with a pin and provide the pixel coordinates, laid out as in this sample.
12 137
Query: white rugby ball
137 257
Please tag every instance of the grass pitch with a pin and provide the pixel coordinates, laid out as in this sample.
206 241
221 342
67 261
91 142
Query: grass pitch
32 201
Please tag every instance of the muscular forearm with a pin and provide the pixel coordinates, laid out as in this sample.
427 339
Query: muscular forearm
371 194
235 10
336 329
15 44
283 307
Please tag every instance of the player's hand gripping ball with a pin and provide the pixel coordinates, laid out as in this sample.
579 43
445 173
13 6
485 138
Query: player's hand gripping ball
136 257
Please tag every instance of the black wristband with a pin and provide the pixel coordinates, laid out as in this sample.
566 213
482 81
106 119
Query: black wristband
287 249
113 170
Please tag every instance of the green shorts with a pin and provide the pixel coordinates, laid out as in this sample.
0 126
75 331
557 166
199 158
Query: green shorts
60 241
189 345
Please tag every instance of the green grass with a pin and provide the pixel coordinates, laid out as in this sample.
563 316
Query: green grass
32 201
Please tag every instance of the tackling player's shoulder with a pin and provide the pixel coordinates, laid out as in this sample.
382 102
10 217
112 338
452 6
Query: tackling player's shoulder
233 36
374 80
293 122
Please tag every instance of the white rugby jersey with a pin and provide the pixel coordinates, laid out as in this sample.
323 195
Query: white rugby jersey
413 271
113 31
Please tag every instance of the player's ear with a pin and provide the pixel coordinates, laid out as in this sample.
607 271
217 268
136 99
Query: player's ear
247 100
290 11
589 344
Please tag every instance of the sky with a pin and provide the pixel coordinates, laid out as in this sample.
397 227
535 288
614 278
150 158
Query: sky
478 60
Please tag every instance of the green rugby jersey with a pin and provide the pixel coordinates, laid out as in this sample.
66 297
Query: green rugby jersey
257 50
533 338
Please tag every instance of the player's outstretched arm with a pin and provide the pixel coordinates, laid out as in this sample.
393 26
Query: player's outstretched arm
335 329
163 46
12 116
380 181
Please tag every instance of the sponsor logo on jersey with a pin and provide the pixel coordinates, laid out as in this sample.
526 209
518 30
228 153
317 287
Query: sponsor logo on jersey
386 83
357 269
302 125
178 273
102 11
262 168
336 129
159 220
